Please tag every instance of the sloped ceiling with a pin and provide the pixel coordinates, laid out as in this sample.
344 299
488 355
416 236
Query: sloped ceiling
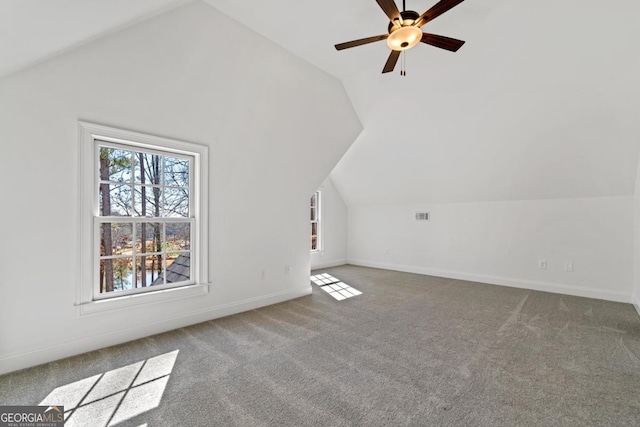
34 30
541 102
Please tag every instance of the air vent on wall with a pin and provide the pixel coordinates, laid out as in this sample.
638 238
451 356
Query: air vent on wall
422 216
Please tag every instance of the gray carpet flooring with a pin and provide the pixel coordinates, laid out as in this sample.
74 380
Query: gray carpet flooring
411 350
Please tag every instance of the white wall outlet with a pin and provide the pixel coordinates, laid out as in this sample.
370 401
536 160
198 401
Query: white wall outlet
387 251
542 264
568 266
263 274
287 269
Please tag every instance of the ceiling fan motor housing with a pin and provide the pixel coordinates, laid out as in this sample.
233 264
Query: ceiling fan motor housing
407 15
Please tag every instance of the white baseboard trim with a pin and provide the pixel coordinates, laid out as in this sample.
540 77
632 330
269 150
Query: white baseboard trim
14 362
556 288
636 303
328 264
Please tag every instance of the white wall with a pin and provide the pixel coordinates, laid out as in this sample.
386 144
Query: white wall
333 228
501 243
258 108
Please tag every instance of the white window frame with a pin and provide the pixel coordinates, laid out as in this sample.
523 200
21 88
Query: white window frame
318 248
89 299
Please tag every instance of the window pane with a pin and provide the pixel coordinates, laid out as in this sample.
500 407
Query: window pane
149 237
115 200
116 274
149 271
147 168
314 214
148 201
116 239
314 236
115 165
178 236
176 202
178 267
176 172
106 270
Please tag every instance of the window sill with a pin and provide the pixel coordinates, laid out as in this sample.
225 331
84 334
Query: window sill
117 303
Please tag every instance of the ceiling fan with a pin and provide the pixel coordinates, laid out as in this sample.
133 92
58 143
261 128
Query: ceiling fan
404 31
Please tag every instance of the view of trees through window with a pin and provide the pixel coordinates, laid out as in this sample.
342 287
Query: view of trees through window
144 223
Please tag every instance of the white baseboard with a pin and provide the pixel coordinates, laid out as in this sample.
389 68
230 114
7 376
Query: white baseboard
556 288
636 303
14 362
328 264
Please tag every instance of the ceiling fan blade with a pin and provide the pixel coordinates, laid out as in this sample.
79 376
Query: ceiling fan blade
438 9
391 62
360 42
442 42
390 9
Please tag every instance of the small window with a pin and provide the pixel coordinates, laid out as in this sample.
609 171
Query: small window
315 221
144 221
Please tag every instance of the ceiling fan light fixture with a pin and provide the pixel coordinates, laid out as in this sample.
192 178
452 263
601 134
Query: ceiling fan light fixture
404 38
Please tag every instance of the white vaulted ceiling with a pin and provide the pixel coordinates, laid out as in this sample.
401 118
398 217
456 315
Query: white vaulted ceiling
541 102
34 30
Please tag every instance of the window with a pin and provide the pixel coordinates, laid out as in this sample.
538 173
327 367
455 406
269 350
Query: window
315 221
143 226
144 216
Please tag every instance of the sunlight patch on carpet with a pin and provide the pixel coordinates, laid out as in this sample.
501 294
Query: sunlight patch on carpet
334 287
117 395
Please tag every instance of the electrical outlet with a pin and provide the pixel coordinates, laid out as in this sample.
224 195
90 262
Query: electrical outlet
387 251
263 274
568 266
542 264
287 269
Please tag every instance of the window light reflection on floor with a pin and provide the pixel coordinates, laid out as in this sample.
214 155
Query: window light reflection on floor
115 396
334 287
